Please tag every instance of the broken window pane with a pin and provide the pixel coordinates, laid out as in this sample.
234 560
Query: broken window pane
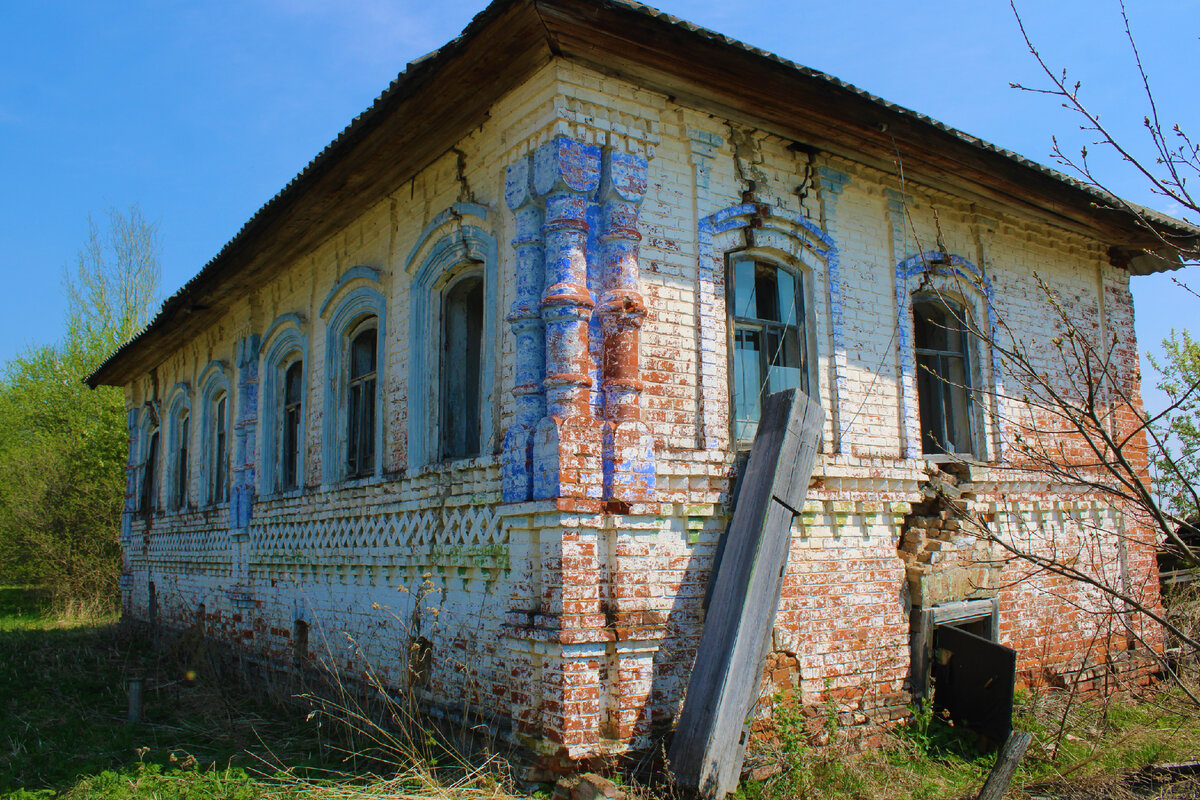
770 350
943 376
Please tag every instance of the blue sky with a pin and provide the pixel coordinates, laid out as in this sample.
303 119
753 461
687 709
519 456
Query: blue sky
201 112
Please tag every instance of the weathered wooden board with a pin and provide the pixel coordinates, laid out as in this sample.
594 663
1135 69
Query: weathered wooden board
1006 765
710 740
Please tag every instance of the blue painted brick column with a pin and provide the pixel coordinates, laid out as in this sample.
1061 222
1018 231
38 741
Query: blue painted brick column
566 451
245 437
525 319
627 446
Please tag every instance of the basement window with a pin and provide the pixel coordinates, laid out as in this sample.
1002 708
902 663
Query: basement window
958 664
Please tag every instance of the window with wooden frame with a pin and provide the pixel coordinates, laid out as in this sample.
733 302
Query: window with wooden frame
360 400
291 420
218 488
147 487
284 399
181 440
214 422
461 356
769 337
943 352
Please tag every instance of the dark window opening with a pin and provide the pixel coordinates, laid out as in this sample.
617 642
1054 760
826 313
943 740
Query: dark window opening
220 486
360 405
943 377
770 347
300 644
149 470
462 350
181 460
293 389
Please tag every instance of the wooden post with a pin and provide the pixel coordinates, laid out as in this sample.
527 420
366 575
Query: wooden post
1006 764
710 739
134 684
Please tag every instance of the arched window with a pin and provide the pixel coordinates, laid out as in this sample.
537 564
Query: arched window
355 347
179 432
283 408
214 433
462 352
218 488
451 328
290 435
942 344
148 463
770 339
360 400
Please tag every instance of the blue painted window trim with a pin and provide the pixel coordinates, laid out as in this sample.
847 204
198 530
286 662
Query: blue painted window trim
180 403
285 343
784 238
213 381
462 249
806 319
355 308
948 274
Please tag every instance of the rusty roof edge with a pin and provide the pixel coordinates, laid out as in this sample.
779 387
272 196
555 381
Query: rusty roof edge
1106 199
431 62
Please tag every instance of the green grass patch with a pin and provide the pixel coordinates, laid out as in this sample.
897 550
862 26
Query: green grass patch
64 708
1076 744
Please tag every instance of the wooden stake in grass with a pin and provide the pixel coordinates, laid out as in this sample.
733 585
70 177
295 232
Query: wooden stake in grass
134 685
1006 764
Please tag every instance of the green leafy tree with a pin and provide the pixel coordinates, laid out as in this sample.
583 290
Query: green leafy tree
1177 463
62 445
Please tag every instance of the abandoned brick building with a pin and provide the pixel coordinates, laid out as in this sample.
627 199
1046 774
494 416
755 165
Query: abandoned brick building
471 390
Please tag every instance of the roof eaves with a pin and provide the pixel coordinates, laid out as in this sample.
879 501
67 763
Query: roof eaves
359 126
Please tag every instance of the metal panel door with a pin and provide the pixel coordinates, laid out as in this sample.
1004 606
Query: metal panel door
973 680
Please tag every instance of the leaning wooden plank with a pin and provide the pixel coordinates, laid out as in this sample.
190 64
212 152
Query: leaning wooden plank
709 745
1006 764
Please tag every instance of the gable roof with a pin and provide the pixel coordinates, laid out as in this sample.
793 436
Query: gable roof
442 96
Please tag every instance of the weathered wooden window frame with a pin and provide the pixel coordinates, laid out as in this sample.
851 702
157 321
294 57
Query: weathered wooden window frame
214 468
179 447
805 326
358 308
960 311
946 275
148 461
448 402
291 433
285 344
361 408
455 240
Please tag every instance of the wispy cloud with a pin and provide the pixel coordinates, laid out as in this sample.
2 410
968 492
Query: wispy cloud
381 31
